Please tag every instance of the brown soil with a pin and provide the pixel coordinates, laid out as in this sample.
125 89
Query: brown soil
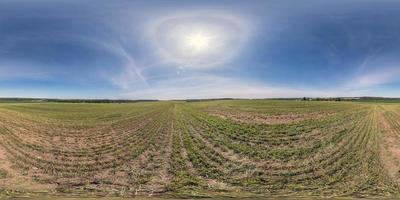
15 180
247 117
390 152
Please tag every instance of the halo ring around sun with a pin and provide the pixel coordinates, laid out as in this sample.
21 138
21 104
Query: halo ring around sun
198 41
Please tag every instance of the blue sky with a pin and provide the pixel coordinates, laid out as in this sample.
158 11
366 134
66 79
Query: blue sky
199 49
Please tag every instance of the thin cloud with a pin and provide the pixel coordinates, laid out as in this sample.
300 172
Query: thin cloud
14 71
375 78
131 72
209 86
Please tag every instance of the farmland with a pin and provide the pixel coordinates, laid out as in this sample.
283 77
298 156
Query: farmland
205 148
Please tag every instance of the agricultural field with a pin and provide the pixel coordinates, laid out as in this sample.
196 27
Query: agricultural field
229 148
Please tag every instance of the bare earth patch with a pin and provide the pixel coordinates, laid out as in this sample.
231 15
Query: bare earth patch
390 154
247 117
13 179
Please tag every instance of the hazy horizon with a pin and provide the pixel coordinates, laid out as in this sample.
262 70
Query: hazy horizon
199 49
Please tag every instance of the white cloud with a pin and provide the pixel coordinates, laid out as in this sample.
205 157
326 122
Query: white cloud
375 78
131 73
128 73
208 86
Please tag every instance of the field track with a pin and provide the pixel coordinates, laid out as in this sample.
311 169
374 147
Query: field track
214 148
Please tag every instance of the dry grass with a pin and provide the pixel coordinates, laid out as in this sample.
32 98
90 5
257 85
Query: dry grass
211 148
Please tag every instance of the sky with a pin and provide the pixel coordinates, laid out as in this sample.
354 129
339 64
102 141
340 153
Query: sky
157 49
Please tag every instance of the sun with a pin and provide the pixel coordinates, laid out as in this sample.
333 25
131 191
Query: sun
198 41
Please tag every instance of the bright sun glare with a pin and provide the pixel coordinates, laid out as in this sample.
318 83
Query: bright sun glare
198 41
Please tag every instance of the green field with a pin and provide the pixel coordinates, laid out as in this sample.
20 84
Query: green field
230 148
